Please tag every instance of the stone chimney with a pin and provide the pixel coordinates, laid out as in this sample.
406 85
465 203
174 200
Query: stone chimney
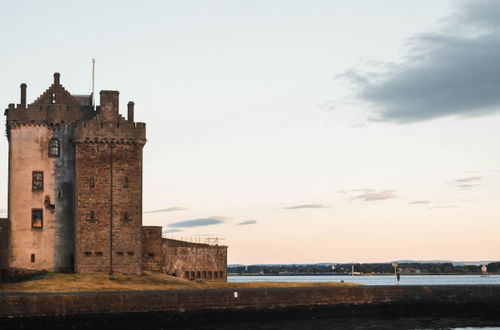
57 78
130 114
23 93
109 105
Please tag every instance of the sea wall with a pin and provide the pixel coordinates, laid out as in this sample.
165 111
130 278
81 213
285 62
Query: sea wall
421 299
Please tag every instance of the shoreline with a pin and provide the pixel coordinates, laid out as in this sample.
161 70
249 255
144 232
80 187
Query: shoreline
358 275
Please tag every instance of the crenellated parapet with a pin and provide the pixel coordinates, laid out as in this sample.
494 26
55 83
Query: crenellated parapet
121 132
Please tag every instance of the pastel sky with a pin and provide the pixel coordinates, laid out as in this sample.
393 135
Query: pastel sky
298 131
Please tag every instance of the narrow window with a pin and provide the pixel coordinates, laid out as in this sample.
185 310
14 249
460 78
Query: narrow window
32 257
192 274
130 253
151 255
87 253
91 216
204 274
37 182
126 218
99 254
36 219
119 253
125 182
215 274
54 147
198 274
91 183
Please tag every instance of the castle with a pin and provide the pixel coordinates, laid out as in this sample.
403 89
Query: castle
75 193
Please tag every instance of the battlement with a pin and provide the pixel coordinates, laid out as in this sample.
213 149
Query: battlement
57 107
121 131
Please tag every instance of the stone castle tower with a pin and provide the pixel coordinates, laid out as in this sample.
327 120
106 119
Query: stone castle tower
75 183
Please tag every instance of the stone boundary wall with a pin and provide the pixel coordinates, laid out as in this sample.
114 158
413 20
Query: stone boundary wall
458 299
4 244
194 261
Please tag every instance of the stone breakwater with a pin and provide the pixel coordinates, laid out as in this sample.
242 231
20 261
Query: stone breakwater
202 305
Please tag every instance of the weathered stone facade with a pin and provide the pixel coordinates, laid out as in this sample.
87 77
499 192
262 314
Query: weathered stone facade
75 183
75 193
188 260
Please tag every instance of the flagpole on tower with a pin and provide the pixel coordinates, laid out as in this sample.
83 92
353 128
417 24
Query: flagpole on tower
93 83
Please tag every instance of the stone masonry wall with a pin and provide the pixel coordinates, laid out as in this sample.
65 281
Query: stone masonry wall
93 198
4 243
31 248
151 248
194 261
109 214
415 300
109 191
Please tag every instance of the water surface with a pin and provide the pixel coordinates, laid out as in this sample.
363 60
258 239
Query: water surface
378 279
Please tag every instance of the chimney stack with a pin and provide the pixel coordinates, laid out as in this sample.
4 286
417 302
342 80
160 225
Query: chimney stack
23 93
57 77
109 105
130 115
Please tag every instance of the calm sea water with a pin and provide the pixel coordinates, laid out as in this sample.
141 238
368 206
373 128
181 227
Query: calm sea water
378 280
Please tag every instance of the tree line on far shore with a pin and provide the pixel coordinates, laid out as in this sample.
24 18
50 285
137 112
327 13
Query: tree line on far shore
363 268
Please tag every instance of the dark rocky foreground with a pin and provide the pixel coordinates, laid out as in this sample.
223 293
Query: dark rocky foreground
418 307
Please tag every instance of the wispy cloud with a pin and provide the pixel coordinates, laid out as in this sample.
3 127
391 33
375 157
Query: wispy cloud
306 206
467 185
468 179
370 195
201 222
443 207
451 71
170 231
419 202
247 222
468 182
169 209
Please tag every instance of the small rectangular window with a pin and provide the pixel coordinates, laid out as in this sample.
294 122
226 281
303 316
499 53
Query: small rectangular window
87 253
32 257
126 218
151 255
37 218
130 253
99 254
125 182
37 182
91 183
91 216
119 253
54 147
